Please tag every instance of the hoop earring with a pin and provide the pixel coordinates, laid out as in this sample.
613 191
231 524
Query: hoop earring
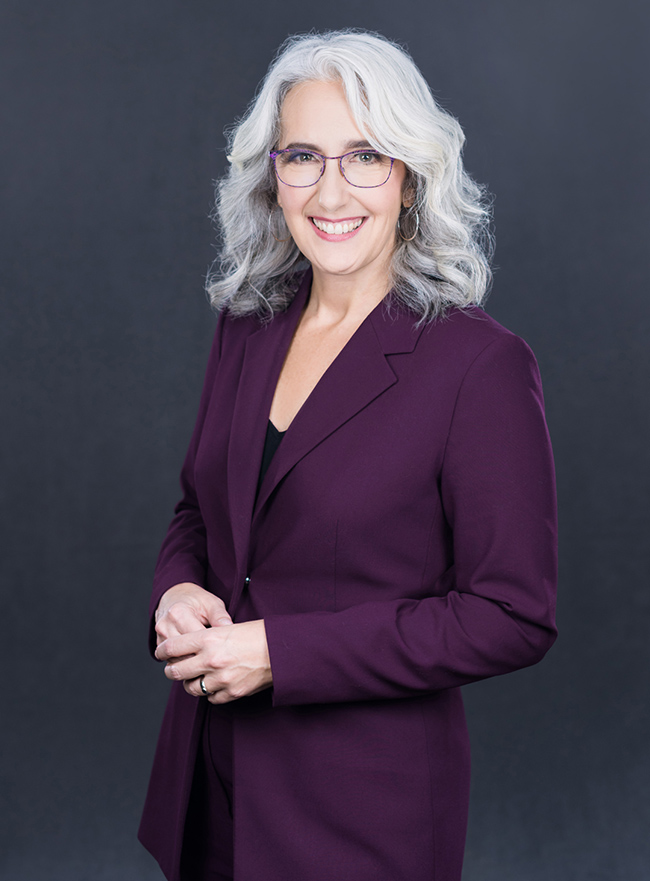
272 234
417 226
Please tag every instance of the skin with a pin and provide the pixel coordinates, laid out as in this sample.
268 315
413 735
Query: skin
196 636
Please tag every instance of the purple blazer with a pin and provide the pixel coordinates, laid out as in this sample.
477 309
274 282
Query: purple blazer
403 543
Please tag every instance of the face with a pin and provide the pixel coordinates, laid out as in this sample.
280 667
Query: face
315 115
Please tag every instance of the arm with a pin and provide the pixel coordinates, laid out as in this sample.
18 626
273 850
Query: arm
187 621
183 555
497 611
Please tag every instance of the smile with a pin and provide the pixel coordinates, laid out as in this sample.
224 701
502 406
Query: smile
337 229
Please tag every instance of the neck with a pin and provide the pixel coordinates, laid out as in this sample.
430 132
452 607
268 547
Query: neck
337 299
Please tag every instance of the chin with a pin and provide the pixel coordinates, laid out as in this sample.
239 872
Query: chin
335 270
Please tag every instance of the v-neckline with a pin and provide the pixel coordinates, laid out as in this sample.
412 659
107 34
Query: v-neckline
329 366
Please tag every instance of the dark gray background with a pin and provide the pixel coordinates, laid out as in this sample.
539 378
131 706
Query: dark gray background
111 136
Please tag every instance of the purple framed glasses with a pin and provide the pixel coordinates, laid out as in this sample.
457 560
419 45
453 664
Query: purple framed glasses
304 168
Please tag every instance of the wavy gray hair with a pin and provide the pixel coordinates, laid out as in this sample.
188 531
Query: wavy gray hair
446 263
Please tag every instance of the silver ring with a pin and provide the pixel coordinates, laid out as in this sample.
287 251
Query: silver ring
203 688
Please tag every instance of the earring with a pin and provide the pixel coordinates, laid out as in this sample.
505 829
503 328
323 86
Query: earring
271 230
417 226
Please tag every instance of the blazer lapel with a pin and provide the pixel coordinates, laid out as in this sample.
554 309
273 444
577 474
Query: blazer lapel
358 375
263 358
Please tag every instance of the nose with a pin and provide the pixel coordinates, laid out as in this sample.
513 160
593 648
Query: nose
333 189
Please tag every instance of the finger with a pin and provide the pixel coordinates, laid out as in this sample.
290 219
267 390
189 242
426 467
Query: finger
193 687
185 669
181 645
171 668
160 639
222 696
217 614
220 687
218 694
178 619
175 660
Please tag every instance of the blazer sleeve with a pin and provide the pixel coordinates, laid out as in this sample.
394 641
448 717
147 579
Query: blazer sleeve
493 610
183 555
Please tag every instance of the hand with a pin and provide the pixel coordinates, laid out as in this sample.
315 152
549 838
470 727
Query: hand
233 661
185 608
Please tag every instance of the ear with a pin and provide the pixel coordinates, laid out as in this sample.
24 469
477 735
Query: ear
408 197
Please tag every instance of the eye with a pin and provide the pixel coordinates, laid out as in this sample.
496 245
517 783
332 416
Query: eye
299 157
367 157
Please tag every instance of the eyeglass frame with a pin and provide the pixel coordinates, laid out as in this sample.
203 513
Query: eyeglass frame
275 153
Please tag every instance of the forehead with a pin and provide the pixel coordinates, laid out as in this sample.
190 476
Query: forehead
316 112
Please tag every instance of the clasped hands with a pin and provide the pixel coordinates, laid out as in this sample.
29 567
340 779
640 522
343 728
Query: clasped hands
197 639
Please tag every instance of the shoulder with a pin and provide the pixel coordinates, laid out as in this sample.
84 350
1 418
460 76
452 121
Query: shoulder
462 341
237 328
478 343
470 331
495 368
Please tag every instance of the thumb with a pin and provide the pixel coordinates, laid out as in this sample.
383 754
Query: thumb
218 617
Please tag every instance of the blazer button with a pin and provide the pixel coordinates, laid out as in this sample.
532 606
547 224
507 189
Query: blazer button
247 581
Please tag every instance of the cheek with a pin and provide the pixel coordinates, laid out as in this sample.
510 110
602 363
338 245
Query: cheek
284 196
390 211
390 203
286 200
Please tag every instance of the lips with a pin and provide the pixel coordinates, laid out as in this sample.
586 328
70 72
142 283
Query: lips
339 227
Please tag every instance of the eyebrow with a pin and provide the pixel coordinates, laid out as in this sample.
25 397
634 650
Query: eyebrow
350 145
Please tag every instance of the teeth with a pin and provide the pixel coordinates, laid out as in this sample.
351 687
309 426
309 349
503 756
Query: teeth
337 229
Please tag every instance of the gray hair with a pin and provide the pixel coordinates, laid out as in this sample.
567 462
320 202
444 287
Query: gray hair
447 261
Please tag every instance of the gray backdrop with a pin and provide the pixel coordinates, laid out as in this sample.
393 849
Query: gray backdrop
112 120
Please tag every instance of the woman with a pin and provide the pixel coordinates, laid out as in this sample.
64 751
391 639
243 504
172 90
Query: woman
368 495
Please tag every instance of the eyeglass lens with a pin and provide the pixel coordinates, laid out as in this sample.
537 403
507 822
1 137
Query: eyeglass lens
363 168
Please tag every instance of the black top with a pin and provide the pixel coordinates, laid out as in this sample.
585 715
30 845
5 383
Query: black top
271 444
